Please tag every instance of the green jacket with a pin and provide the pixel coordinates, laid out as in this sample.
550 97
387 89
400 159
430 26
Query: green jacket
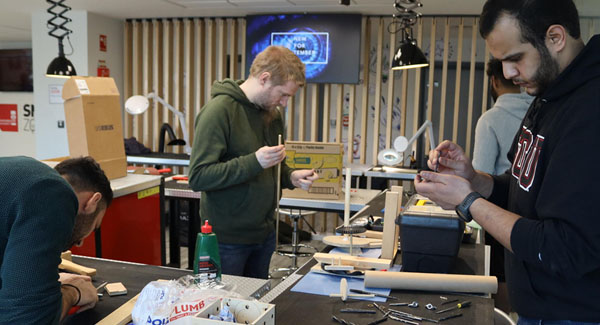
37 214
238 195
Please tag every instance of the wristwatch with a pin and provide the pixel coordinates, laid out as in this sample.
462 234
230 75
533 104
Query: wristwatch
463 208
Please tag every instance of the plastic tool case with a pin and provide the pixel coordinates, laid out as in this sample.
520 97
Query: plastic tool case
430 236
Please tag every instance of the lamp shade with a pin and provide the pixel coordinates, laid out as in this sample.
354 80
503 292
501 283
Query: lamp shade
61 67
408 56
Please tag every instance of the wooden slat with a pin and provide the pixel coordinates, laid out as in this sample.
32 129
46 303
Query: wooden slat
486 82
157 79
403 100
233 50
242 23
364 107
441 136
302 114
221 49
457 81
326 110
339 111
167 69
128 72
417 95
471 86
199 71
178 72
350 135
377 99
210 56
188 68
314 114
591 31
137 75
390 93
431 76
147 130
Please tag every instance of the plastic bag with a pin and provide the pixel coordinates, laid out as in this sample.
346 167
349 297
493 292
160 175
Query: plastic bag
166 302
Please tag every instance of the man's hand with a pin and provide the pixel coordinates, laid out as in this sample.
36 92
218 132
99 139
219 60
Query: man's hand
89 295
447 191
449 158
270 156
304 178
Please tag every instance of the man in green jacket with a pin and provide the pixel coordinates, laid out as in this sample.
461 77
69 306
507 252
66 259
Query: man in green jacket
42 213
234 159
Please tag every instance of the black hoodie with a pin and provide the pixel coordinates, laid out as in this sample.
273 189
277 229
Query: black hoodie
553 184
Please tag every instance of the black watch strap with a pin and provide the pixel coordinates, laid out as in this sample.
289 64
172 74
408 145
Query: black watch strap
462 210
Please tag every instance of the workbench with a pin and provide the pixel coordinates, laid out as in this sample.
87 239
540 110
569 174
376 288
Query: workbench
135 276
301 308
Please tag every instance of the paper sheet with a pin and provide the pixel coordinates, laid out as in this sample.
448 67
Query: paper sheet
324 285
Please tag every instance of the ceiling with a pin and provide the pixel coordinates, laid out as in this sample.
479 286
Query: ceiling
15 16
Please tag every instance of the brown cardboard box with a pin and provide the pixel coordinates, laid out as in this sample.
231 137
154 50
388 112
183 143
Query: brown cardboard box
94 127
327 160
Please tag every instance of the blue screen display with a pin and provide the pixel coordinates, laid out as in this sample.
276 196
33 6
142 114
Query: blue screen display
329 45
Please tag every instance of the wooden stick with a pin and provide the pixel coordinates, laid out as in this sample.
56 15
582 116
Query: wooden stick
347 198
278 198
67 265
121 315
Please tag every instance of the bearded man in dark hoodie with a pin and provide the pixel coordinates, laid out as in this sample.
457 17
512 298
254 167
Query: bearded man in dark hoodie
543 209
234 160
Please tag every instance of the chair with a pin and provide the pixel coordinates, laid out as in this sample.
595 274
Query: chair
295 249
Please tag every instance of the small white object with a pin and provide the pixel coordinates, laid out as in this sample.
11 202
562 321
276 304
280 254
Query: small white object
136 105
389 157
344 292
400 144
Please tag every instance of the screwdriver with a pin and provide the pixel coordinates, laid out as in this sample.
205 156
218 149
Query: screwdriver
460 305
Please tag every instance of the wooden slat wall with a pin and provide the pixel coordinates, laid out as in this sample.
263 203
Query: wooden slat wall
180 58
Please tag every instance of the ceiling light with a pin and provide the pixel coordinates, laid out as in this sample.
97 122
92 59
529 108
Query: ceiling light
408 55
60 67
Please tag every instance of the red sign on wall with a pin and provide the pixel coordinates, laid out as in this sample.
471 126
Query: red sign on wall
103 70
8 118
102 43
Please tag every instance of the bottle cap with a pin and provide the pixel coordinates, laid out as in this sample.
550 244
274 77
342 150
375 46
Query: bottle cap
206 229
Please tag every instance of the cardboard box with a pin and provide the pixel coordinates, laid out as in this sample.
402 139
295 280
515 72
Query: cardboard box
94 126
326 159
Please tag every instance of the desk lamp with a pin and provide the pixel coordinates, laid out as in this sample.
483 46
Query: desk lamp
397 155
137 104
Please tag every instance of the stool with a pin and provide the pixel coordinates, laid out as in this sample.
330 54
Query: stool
295 249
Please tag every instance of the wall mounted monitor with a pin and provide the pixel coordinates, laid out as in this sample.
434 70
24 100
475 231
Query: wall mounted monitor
328 44
16 72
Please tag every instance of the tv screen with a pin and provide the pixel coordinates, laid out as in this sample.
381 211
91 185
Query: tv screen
328 44
16 73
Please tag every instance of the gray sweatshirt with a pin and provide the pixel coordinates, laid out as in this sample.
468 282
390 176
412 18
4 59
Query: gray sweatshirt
496 130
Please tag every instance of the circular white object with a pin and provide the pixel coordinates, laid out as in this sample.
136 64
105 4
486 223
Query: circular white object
400 144
389 157
136 104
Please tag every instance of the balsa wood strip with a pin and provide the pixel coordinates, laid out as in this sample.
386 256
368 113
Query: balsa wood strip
233 50
350 134
147 72
242 23
199 71
471 86
302 114
442 125
377 99
431 76
457 82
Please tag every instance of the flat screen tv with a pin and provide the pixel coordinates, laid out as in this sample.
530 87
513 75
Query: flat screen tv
328 44
16 72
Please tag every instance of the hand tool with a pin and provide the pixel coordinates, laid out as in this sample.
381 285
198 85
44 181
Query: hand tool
358 311
100 287
372 293
413 304
460 305
450 317
449 301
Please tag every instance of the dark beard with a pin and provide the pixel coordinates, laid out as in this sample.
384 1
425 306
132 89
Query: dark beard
547 71
83 223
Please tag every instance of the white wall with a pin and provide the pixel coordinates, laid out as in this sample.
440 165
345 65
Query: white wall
51 138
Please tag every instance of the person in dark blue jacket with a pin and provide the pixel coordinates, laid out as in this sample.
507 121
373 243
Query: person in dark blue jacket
44 211
543 210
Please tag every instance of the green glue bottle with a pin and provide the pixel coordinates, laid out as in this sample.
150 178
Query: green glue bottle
206 260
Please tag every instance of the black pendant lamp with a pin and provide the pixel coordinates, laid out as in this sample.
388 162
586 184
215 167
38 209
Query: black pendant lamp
60 67
408 55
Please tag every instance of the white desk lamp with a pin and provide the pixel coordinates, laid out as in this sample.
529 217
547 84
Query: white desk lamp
396 156
139 104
